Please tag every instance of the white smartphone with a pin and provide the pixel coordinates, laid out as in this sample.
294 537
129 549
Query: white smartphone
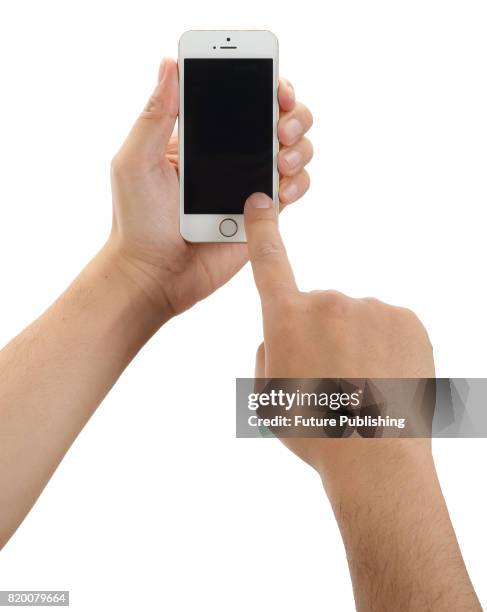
227 129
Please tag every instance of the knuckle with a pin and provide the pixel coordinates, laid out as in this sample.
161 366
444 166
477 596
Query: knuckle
153 103
308 145
158 106
403 318
409 314
333 303
307 116
125 165
267 249
373 302
306 181
411 325
405 315
119 164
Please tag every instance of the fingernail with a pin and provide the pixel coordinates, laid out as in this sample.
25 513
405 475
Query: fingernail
162 70
293 129
260 200
292 158
289 191
291 91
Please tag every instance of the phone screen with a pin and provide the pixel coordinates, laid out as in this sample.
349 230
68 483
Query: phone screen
228 133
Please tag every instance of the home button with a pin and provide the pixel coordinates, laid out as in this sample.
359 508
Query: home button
228 228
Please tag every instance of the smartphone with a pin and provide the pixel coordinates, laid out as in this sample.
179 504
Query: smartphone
227 129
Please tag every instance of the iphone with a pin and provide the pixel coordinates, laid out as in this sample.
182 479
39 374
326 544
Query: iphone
227 129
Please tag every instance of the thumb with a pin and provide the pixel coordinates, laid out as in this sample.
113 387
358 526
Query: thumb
148 138
272 271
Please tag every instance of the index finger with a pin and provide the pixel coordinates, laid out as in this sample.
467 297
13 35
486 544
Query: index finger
272 271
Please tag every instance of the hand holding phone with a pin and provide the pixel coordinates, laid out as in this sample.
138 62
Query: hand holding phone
145 186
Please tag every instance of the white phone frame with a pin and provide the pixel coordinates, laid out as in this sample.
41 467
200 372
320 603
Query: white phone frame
208 44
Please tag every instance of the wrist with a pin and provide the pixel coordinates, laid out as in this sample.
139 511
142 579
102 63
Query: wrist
400 544
361 469
141 282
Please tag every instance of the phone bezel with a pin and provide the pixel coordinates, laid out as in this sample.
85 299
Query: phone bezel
200 44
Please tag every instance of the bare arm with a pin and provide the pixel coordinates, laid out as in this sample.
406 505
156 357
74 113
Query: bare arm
57 371
401 547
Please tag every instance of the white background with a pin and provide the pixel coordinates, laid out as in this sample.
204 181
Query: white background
157 505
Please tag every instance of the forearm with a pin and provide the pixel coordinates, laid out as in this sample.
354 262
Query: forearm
58 370
401 546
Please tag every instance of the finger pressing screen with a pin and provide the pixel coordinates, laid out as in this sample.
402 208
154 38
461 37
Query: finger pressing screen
272 271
